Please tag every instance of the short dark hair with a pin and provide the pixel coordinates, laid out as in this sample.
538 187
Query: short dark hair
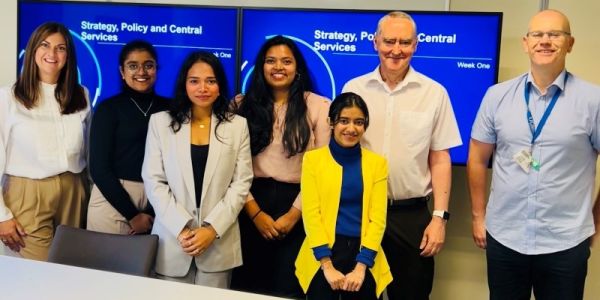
181 106
346 100
136 45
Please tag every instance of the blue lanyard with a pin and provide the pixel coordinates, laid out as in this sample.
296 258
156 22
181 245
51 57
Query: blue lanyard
535 132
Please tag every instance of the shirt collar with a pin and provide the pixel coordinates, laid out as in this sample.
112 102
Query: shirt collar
412 76
558 82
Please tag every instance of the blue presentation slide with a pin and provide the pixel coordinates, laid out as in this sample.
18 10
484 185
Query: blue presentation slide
101 29
459 50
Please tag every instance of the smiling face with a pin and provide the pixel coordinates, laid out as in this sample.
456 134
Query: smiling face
280 67
51 57
349 127
201 85
395 43
139 71
548 40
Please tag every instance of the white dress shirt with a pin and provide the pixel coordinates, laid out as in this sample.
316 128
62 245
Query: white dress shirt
404 125
39 142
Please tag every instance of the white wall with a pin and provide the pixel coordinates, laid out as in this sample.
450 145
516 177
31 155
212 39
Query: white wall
8 36
461 267
342 4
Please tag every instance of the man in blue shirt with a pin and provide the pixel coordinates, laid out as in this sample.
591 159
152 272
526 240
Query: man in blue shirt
543 128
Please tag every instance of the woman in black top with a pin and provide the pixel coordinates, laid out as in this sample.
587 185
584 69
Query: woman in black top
118 203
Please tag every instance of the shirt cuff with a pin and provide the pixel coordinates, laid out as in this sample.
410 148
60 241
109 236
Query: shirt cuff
5 213
249 197
321 251
366 256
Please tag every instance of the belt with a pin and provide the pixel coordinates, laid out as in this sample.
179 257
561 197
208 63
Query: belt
411 202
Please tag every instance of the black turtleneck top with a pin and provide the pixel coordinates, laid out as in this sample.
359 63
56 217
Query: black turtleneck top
117 144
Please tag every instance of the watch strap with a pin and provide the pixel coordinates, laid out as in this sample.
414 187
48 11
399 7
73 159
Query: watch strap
441 214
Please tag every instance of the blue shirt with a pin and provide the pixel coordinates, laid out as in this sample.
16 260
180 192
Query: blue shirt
549 210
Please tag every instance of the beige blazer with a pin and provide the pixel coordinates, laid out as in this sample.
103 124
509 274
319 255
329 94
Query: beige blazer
169 184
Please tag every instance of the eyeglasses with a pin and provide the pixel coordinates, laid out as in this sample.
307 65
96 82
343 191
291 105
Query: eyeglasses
148 67
552 35
360 122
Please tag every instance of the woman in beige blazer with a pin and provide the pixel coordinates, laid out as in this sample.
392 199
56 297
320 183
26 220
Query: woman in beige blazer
197 172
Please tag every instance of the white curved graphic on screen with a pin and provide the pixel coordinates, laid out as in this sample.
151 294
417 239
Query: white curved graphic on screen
98 71
246 79
301 41
96 63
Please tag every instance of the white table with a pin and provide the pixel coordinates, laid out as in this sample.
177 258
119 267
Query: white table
31 280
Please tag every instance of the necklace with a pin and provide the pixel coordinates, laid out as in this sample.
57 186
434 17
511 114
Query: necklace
200 125
145 113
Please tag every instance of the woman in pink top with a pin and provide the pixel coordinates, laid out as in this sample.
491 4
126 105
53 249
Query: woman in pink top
285 120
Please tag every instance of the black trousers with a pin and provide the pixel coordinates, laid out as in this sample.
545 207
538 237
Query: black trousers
269 265
413 274
560 275
343 257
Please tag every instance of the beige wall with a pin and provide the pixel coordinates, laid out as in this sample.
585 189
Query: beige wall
460 268
8 36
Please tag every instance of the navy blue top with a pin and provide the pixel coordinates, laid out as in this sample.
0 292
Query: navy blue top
117 145
349 217
350 210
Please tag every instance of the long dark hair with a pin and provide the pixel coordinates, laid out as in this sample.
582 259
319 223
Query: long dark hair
68 92
257 105
180 107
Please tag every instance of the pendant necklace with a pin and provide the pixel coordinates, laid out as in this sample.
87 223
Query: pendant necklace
145 113
202 126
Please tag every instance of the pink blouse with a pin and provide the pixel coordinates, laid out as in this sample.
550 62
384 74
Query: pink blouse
274 162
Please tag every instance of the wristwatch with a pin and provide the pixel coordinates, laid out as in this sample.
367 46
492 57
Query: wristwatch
442 214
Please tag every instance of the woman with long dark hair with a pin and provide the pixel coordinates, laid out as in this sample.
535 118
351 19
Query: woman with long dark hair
197 171
44 118
118 203
286 119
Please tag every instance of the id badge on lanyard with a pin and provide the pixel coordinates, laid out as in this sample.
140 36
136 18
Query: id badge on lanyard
524 158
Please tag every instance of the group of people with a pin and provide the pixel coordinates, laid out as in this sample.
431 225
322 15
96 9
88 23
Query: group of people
281 191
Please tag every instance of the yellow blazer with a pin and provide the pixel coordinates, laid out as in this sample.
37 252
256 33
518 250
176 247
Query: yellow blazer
321 187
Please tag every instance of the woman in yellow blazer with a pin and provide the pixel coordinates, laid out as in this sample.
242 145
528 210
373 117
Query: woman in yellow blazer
344 200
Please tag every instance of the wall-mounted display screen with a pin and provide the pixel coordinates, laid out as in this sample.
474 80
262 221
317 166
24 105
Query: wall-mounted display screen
459 50
101 29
